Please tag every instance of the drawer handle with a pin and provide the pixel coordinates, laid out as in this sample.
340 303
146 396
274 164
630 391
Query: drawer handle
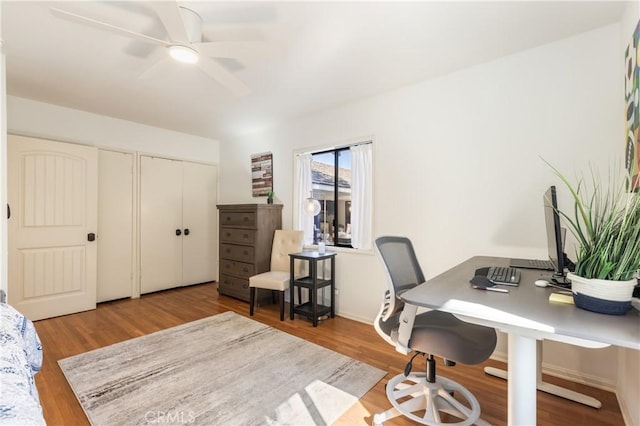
246 219
245 269
228 234
246 236
246 253
228 218
228 250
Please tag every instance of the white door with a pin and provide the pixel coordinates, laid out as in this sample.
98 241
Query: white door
199 221
160 224
115 223
52 191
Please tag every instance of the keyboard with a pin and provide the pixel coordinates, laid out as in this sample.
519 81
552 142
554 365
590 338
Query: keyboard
503 275
544 265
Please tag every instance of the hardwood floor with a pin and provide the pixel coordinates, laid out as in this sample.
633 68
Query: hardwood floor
116 321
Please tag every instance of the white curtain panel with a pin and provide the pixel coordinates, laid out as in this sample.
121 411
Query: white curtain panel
361 196
301 220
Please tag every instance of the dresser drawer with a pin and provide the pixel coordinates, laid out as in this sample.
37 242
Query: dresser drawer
239 269
230 235
234 252
238 219
235 287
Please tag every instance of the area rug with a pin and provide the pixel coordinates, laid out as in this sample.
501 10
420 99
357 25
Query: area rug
221 370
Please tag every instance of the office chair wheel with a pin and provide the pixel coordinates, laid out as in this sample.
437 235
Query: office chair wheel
413 393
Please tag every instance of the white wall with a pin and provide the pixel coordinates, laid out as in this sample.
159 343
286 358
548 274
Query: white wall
629 360
457 163
4 242
30 118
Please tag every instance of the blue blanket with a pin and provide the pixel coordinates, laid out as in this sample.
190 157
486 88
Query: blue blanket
20 360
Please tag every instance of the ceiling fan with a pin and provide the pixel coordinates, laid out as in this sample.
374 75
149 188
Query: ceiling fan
184 28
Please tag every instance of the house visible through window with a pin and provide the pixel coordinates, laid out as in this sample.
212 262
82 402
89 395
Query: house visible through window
340 179
333 224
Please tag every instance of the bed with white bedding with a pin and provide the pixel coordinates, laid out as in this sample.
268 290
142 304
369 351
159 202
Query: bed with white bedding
20 360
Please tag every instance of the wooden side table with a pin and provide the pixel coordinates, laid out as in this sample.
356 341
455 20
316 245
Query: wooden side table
312 309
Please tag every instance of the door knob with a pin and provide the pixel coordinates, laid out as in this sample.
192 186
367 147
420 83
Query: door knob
186 231
91 236
178 232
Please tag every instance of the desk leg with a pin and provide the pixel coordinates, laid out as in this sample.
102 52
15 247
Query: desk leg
333 287
314 291
521 407
548 387
291 287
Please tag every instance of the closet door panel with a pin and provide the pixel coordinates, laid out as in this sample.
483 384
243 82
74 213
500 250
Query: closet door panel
160 218
199 255
115 225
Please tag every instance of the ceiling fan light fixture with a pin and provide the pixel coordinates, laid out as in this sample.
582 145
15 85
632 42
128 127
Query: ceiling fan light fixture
183 54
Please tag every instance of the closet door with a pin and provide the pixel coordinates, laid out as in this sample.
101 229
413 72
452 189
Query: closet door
52 191
199 199
160 224
115 222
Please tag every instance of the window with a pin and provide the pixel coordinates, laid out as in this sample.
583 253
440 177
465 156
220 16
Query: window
331 186
340 180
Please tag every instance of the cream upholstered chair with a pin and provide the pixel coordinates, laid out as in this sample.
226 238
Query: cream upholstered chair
284 243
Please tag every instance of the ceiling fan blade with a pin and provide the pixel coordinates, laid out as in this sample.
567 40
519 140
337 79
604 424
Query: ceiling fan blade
161 64
224 77
107 27
171 17
237 49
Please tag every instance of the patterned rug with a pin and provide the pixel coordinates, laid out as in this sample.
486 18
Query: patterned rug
221 370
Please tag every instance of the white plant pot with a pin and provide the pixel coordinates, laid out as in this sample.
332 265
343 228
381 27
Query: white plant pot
602 296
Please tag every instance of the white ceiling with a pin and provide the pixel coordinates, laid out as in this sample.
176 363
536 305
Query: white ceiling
329 53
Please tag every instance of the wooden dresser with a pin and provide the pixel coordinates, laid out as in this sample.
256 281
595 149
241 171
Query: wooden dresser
246 236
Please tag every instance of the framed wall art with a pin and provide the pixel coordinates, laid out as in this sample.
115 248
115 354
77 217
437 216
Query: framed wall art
632 97
262 174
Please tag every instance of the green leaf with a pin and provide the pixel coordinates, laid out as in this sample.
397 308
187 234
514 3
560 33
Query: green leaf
606 224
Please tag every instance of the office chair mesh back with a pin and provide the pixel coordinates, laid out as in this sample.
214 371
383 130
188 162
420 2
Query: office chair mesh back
403 272
401 262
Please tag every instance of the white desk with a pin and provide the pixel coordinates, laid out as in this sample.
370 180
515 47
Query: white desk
526 315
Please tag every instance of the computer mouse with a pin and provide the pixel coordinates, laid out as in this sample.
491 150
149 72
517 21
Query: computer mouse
541 283
482 281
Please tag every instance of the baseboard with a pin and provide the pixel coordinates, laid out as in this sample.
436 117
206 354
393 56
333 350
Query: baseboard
566 374
578 377
355 318
624 410
499 356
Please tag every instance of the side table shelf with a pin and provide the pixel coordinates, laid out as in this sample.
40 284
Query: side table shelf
312 309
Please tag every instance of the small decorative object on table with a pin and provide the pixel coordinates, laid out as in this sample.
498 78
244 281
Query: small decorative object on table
606 223
270 196
322 245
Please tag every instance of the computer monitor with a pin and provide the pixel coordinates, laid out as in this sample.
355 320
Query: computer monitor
555 237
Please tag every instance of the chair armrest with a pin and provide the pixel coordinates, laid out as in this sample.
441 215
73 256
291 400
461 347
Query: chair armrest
407 318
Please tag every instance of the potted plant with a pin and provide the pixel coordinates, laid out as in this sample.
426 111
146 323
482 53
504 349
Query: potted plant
606 223
270 195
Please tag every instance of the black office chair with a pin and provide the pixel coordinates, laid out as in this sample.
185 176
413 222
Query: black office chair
422 397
